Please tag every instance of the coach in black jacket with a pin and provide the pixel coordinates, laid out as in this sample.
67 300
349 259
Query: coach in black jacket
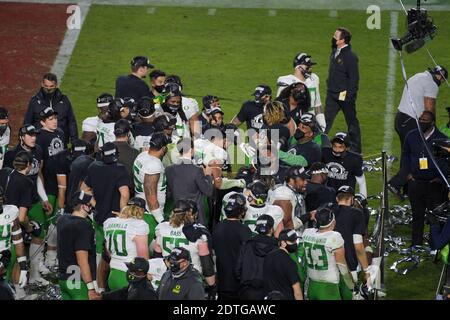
342 82
50 96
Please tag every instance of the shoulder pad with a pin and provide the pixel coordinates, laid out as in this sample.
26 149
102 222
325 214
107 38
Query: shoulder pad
196 231
10 213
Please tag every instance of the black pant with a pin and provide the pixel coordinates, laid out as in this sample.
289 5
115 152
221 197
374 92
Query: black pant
251 293
333 105
227 295
423 195
403 125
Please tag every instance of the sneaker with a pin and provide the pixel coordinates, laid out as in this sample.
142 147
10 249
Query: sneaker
39 281
396 192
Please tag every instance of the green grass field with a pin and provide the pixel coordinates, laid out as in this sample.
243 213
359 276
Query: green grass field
229 53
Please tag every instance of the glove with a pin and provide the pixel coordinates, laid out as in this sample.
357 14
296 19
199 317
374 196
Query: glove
36 231
23 271
249 151
211 292
158 214
320 118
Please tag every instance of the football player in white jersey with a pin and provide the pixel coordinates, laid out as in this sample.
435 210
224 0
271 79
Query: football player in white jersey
11 234
126 238
182 231
303 73
289 197
325 258
150 179
105 125
156 269
89 125
5 134
256 193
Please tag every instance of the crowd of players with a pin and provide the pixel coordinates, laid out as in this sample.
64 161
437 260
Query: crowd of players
147 205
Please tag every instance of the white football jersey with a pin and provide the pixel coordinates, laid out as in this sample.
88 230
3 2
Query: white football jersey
207 151
312 83
141 143
105 133
168 237
7 218
4 142
90 124
319 252
156 268
190 106
147 164
283 192
119 235
253 213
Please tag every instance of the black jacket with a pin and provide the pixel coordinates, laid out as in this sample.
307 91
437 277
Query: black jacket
189 286
343 73
249 267
61 104
131 86
143 290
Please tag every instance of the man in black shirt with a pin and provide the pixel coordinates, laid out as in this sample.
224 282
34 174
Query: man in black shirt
76 251
342 82
133 86
228 237
50 96
51 141
249 267
317 192
344 167
143 129
350 223
304 135
280 271
108 180
252 111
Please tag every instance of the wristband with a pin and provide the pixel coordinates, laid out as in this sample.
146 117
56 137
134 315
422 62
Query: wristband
22 263
17 241
90 286
158 214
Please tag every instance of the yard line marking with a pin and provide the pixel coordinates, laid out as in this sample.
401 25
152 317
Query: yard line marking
68 44
212 12
390 88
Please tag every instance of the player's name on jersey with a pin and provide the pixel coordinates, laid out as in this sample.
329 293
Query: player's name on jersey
118 225
309 238
176 233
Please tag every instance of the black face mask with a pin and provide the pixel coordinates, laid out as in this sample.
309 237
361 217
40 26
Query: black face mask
259 102
175 267
306 72
173 108
3 128
291 248
425 126
333 43
338 154
133 279
159 89
299 134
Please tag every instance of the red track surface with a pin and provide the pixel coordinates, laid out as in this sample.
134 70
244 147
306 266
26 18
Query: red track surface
30 37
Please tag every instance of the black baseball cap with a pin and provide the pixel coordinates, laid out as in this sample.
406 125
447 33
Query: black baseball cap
82 198
47 113
3 113
439 70
297 172
104 100
179 253
79 147
264 223
308 119
138 264
318 168
207 100
28 129
122 127
110 154
303 58
346 189
288 235
137 202
141 61
215 110
262 90
341 137
146 112
361 199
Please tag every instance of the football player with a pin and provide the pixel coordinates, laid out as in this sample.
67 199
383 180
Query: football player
143 129
325 258
89 125
303 73
126 238
150 179
5 134
105 125
256 193
182 231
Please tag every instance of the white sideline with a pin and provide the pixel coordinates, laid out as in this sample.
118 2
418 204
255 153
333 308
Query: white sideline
390 88
70 39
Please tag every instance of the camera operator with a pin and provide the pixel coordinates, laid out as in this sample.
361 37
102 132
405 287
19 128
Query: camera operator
425 187
423 87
